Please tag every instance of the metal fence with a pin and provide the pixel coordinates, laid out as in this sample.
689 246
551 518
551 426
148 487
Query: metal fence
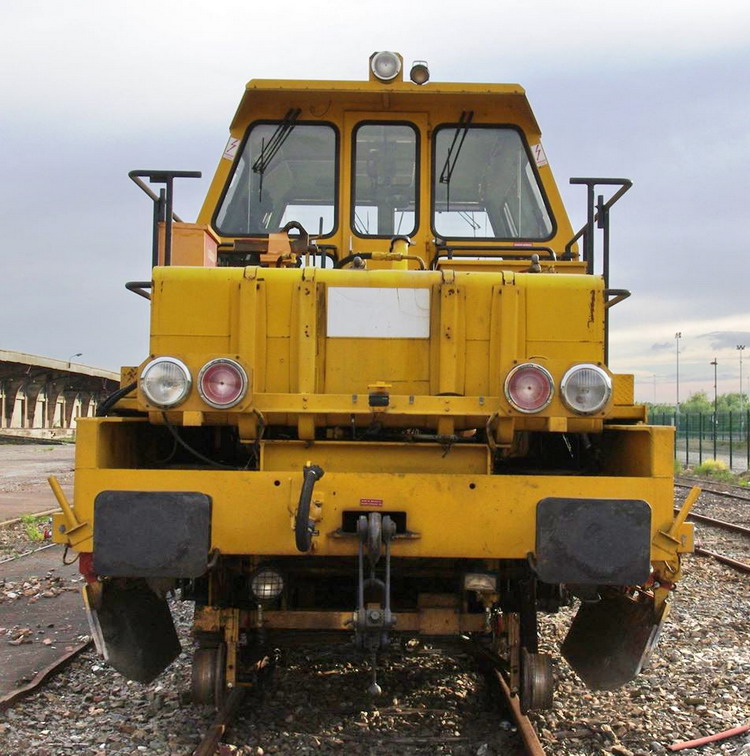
699 436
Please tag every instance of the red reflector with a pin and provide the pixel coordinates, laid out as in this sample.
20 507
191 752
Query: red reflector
529 388
222 383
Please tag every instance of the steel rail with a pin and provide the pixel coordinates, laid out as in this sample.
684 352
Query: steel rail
16 520
27 553
40 677
718 523
734 563
726 494
223 719
526 730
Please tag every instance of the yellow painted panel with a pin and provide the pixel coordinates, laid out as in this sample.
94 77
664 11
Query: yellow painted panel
566 306
194 301
353 364
478 306
473 516
477 369
623 389
277 367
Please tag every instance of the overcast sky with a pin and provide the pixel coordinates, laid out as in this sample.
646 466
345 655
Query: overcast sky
658 92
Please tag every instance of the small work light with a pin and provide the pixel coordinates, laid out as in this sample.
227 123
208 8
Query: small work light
419 73
385 65
267 584
480 582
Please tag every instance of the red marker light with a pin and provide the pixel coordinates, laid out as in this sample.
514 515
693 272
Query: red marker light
222 383
529 387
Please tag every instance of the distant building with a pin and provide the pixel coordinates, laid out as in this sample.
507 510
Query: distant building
41 397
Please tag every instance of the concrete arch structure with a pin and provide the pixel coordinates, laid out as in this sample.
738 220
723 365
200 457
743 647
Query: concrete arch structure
41 397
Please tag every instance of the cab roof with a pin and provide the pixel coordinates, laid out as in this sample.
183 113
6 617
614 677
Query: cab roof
398 95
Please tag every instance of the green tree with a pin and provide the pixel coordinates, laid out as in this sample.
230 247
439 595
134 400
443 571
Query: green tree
698 402
731 403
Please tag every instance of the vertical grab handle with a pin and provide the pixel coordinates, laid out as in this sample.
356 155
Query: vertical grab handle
303 526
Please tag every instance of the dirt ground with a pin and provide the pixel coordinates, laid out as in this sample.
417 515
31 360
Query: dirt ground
24 469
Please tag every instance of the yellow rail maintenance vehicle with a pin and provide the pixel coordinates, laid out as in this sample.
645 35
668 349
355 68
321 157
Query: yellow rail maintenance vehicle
377 401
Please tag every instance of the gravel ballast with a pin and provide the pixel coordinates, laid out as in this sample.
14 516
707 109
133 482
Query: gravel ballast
697 684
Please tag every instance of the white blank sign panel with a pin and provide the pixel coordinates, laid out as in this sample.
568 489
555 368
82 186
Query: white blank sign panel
378 313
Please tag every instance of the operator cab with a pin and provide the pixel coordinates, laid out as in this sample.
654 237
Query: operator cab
461 174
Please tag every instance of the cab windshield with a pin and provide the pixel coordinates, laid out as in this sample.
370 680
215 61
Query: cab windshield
484 186
286 172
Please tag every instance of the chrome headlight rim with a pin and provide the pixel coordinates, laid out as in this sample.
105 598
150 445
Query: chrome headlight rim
381 60
241 372
545 374
606 382
184 369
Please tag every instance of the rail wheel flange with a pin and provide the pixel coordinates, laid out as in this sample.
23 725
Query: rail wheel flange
537 683
208 676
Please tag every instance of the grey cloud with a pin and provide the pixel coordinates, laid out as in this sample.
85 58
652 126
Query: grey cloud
726 339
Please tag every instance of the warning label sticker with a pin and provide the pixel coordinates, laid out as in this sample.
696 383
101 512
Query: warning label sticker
539 157
370 502
231 149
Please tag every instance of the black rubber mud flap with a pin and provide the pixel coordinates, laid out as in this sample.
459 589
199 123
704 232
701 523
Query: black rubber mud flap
139 637
610 640
151 533
593 541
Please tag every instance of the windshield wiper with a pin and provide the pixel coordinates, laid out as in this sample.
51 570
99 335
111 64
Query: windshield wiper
458 142
268 150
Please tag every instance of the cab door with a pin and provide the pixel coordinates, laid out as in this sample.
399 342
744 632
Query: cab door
385 178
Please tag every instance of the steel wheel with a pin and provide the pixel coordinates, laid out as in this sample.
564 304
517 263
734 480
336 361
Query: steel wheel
209 675
537 685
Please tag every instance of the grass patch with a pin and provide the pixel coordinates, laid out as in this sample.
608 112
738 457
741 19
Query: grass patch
716 470
34 526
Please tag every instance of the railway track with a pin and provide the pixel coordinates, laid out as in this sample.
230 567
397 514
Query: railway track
14 696
719 489
739 541
520 734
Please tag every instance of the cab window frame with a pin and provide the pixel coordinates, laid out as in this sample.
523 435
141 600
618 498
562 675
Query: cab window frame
531 162
236 163
417 175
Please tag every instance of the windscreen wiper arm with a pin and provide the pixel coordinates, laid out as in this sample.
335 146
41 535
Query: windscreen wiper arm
458 142
269 149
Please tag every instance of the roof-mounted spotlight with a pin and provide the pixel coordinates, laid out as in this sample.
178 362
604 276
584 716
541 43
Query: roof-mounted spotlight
385 65
419 73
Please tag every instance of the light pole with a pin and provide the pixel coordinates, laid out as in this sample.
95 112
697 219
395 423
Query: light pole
677 338
77 354
715 363
740 349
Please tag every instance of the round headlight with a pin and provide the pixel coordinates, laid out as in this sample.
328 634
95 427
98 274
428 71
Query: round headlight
267 584
586 389
529 387
222 383
165 382
385 65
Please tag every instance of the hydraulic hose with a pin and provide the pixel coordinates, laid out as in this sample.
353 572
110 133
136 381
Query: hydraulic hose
303 525
113 398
